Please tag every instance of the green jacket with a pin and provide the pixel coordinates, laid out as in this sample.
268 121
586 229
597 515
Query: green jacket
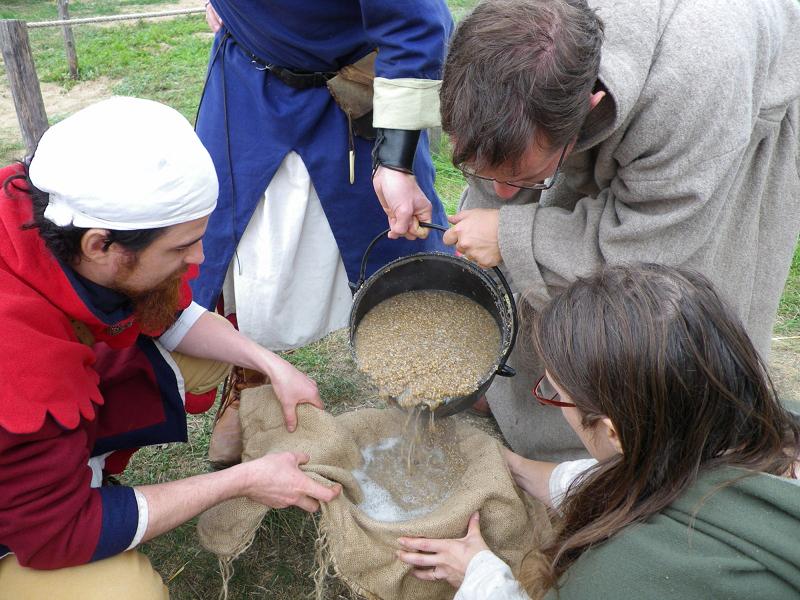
742 541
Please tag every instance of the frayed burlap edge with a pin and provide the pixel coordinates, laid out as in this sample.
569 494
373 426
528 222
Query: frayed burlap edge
326 566
226 569
237 512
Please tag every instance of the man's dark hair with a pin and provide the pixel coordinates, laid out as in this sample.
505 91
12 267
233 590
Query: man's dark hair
65 242
519 70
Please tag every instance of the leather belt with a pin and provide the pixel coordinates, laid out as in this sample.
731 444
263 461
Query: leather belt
294 78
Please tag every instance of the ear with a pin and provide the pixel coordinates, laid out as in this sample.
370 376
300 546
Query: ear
611 434
94 247
594 99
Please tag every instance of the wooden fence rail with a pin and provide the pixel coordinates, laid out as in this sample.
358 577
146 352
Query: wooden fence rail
126 17
21 70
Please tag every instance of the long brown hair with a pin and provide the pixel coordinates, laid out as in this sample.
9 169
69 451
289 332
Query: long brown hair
655 350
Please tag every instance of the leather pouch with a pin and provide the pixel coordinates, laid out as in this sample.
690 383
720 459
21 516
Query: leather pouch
352 91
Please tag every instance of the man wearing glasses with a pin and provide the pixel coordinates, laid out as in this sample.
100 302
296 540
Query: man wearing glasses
664 131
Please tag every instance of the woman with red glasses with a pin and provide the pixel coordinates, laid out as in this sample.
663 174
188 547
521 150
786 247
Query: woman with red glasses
692 491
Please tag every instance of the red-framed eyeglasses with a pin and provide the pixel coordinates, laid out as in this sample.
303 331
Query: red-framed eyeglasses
550 399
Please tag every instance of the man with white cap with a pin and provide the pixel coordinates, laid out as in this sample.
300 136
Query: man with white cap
101 348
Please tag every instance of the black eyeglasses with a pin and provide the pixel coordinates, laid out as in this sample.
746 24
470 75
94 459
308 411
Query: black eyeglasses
523 185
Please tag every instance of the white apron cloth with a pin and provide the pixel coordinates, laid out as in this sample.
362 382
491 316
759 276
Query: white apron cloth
287 283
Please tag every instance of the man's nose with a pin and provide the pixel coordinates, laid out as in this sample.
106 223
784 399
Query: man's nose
195 255
504 190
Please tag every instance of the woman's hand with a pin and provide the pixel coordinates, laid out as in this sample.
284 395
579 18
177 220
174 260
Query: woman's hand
533 476
443 559
515 464
292 387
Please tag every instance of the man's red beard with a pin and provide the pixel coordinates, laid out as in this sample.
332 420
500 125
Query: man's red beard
155 309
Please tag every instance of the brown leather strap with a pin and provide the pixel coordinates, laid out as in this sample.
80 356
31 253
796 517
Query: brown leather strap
239 379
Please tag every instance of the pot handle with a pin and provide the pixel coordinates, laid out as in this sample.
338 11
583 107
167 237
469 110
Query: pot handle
503 369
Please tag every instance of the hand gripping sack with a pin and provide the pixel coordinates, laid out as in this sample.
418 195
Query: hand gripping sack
360 549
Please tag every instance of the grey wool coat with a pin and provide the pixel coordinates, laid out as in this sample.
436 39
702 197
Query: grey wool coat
691 159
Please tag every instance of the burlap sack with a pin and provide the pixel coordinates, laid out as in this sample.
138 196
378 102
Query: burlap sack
361 549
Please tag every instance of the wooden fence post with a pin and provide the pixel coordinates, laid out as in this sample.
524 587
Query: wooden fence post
23 81
69 40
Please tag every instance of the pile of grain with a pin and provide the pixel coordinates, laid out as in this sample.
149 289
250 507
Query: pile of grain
423 347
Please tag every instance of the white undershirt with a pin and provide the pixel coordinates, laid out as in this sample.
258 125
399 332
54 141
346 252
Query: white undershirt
287 283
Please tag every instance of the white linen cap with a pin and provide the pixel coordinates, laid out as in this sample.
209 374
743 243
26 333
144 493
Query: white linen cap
124 164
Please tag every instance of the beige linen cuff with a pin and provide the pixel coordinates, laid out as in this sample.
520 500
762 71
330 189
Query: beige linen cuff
406 103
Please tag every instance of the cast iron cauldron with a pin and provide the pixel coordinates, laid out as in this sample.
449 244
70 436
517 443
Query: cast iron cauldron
439 271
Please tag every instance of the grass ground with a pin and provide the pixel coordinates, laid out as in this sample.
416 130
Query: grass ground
165 60
789 310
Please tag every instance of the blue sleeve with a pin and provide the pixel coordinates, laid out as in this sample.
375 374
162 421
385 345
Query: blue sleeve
411 36
120 521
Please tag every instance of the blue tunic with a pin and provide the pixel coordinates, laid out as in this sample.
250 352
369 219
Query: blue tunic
249 119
